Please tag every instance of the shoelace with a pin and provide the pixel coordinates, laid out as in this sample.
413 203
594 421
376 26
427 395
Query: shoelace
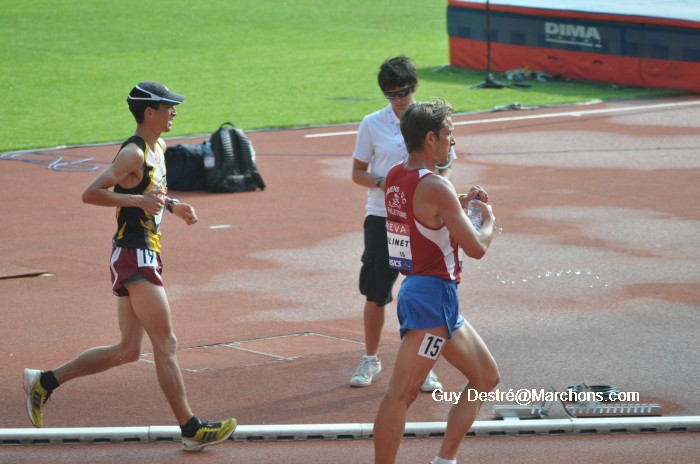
364 368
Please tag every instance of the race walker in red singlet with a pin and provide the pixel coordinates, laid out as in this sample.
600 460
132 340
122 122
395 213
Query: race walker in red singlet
428 257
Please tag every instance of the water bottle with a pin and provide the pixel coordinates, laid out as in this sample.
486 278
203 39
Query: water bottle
474 214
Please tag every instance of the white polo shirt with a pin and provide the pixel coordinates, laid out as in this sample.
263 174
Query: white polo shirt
380 144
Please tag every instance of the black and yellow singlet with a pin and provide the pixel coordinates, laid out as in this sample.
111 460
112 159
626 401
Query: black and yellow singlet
135 227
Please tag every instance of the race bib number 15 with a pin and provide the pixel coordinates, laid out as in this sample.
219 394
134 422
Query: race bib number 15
431 346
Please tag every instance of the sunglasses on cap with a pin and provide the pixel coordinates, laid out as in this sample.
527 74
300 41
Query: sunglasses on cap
399 93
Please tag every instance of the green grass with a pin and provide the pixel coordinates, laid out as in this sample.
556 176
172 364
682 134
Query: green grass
68 64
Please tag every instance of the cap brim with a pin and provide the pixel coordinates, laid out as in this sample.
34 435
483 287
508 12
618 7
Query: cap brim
172 98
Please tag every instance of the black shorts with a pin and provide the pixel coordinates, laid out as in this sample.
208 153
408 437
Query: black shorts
376 277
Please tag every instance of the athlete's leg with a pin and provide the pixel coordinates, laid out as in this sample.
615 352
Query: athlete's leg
153 311
374 323
409 374
39 386
376 281
467 352
102 358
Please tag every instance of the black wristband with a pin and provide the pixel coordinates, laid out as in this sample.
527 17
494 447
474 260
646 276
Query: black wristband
169 204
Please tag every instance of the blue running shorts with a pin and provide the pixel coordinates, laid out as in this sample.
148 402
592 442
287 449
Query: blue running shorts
426 302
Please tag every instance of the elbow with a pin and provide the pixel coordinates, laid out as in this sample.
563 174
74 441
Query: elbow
86 197
90 197
476 252
480 253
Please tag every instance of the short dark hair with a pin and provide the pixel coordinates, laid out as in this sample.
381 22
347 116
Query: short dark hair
397 72
138 108
421 118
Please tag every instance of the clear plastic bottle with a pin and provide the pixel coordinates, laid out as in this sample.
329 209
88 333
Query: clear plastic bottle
474 214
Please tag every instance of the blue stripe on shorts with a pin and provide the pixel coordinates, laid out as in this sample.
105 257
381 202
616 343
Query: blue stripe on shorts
426 302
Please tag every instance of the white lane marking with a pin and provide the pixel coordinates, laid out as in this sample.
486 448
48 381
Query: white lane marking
329 134
577 113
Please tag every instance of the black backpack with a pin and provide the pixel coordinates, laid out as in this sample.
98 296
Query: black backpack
185 167
232 167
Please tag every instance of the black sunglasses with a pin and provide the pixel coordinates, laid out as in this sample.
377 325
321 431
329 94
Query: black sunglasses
399 93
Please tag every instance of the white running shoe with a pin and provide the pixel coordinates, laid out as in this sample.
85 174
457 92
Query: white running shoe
431 383
366 371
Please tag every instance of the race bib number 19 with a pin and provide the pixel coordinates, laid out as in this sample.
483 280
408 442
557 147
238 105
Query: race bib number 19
146 258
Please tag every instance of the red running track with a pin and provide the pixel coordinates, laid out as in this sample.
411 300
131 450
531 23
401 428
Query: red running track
593 279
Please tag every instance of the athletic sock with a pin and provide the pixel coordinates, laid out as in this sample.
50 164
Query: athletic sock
189 429
439 460
370 358
48 381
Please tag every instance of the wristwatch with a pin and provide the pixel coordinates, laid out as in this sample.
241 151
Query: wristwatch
169 204
378 181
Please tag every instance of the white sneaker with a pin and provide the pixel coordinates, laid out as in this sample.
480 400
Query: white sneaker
431 382
366 371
